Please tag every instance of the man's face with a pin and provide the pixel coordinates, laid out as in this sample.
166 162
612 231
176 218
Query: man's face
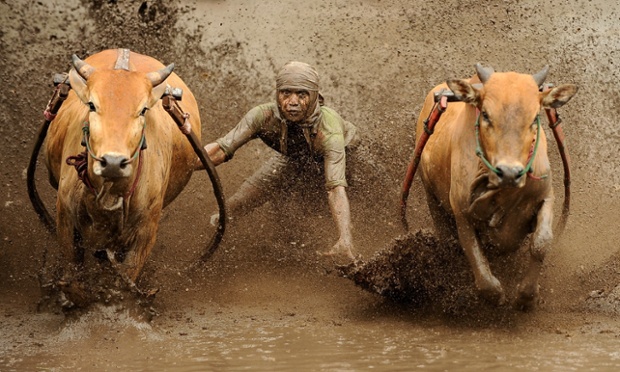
295 104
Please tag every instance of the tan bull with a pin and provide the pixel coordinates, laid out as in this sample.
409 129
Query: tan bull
487 175
138 161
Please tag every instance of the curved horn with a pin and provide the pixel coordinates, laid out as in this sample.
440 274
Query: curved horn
541 75
159 76
82 68
484 73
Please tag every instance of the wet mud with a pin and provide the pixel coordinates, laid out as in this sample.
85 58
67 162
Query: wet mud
418 269
266 286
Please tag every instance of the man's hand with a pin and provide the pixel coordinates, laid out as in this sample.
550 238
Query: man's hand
339 207
216 154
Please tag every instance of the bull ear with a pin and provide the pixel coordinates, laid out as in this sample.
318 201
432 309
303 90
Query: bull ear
558 96
464 91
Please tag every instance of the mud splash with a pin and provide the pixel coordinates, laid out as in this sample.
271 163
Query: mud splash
263 301
417 268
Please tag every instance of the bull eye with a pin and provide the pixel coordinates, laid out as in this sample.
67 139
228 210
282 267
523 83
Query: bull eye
91 107
143 112
486 118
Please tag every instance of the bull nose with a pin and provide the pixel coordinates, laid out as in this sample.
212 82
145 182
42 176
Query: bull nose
113 166
509 175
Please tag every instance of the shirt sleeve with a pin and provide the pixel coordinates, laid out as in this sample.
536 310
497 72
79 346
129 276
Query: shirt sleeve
335 161
246 130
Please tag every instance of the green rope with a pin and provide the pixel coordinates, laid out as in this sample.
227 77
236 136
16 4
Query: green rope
529 163
86 133
480 153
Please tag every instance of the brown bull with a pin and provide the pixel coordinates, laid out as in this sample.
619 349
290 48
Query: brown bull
137 159
487 175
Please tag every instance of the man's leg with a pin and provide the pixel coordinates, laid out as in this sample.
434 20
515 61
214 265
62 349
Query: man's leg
257 189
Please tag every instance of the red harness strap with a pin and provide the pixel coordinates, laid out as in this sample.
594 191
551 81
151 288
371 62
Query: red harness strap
129 193
441 103
80 162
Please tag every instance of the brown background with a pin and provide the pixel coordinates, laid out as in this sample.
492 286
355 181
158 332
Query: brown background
377 60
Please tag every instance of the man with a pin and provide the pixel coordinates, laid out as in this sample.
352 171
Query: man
304 133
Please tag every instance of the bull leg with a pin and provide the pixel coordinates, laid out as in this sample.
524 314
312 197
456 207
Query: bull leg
61 258
70 258
66 236
443 222
142 244
528 289
486 283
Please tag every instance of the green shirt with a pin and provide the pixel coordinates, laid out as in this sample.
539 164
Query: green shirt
328 138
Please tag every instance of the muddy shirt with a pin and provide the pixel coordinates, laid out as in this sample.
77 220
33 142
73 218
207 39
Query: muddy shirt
328 138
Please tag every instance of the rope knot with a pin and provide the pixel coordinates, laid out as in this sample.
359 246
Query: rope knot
80 162
186 128
49 116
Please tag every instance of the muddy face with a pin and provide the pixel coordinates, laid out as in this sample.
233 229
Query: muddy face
295 104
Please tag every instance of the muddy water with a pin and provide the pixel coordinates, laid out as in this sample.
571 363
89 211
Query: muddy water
260 344
264 304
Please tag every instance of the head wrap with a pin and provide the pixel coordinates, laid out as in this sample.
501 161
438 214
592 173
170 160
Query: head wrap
299 76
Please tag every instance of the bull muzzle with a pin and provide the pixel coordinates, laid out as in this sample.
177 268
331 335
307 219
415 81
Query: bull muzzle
113 165
508 175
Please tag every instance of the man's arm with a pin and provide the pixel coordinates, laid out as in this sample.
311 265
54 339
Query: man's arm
216 154
339 207
243 132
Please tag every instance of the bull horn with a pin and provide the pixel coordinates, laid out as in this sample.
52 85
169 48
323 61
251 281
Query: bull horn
82 68
484 73
159 76
541 75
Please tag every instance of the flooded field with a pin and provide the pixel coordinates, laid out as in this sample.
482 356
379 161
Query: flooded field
265 301
282 329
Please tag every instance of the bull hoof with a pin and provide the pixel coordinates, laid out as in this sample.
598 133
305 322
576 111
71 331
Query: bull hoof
494 296
527 297
490 289
73 295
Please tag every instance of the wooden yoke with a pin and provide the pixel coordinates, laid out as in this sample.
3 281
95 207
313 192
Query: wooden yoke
170 104
61 81
554 123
